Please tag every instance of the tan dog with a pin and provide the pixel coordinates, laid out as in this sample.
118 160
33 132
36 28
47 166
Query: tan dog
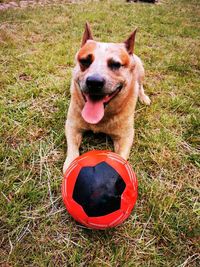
107 80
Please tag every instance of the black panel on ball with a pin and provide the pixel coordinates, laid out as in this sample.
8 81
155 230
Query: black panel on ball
98 189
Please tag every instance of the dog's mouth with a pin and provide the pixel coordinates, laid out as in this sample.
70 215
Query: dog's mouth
93 110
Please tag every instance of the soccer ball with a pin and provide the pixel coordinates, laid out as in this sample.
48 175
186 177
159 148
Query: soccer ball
99 189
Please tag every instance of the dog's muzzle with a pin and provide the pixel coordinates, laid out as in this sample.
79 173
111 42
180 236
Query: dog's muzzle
93 110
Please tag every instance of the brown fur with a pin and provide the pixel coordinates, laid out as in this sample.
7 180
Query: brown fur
118 120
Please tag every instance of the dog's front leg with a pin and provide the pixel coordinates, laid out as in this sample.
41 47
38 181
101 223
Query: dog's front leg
74 138
123 144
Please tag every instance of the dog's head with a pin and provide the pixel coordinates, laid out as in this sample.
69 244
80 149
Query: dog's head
102 72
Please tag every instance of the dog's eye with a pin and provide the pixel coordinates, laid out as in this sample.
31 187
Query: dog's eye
86 62
114 65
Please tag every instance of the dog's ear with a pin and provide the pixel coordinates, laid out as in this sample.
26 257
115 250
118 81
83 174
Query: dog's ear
87 34
129 43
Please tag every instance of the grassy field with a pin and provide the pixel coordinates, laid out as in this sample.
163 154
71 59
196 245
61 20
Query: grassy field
37 48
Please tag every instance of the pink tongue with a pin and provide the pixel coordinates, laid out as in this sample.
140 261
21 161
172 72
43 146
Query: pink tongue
93 111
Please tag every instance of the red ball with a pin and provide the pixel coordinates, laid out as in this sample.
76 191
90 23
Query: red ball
99 189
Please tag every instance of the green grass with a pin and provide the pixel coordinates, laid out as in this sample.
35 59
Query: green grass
37 48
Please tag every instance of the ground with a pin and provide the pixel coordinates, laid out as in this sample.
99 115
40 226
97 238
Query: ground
36 58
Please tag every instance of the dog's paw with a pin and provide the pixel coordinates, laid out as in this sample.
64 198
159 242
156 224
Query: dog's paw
145 99
67 162
66 165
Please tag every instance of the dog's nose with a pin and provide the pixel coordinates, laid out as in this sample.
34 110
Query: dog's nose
95 83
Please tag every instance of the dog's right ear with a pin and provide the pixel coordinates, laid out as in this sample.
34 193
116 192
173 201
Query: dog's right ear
130 42
87 34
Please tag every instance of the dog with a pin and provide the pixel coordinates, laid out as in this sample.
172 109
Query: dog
107 81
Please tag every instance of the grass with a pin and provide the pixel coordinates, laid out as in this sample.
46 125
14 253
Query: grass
37 48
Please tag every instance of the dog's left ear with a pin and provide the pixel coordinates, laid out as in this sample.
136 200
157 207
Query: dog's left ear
87 34
129 43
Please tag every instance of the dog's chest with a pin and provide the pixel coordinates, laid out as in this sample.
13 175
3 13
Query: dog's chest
109 127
